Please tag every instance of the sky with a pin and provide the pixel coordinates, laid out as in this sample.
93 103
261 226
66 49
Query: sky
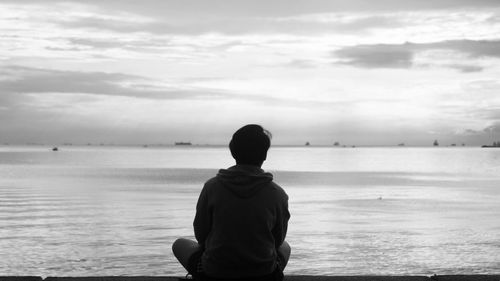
357 72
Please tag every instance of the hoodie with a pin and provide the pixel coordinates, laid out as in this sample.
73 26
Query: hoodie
241 219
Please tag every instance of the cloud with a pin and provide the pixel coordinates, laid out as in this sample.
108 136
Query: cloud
402 55
99 43
466 68
185 19
24 80
300 63
20 80
377 56
492 129
474 48
486 134
244 8
232 25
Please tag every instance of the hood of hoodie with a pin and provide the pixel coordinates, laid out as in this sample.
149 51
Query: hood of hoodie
244 181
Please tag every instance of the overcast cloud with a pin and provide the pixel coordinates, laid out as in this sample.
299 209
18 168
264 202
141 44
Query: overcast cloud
359 72
402 55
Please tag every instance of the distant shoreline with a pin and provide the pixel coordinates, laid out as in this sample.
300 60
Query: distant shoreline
145 146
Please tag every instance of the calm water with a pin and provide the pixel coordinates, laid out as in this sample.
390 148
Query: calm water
116 211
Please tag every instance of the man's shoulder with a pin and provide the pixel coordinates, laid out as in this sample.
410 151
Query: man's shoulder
279 190
211 182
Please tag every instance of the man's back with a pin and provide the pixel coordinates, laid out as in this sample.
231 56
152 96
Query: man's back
241 220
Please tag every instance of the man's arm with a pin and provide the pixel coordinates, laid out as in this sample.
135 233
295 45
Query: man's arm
281 226
203 218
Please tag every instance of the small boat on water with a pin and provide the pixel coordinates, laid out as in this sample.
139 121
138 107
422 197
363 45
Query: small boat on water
495 144
182 143
55 148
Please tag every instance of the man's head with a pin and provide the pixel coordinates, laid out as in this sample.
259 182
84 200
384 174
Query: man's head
249 145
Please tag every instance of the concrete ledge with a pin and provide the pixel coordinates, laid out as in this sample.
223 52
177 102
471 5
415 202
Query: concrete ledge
20 278
356 278
287 278
112 278
466 278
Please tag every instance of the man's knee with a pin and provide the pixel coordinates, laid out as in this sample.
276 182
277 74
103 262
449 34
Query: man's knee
183 248
176 246
284 252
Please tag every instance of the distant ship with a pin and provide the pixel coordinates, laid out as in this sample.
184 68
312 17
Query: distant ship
55 148
495 144
182 143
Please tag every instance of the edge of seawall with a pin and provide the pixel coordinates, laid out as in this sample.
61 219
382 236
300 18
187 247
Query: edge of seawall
287 278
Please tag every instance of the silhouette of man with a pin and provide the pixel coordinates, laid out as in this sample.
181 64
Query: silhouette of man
241 218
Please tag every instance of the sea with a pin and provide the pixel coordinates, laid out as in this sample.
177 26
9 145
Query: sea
111 210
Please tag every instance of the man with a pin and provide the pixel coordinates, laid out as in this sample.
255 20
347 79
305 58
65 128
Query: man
241 218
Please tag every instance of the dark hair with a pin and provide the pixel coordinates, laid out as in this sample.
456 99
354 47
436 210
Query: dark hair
249 145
